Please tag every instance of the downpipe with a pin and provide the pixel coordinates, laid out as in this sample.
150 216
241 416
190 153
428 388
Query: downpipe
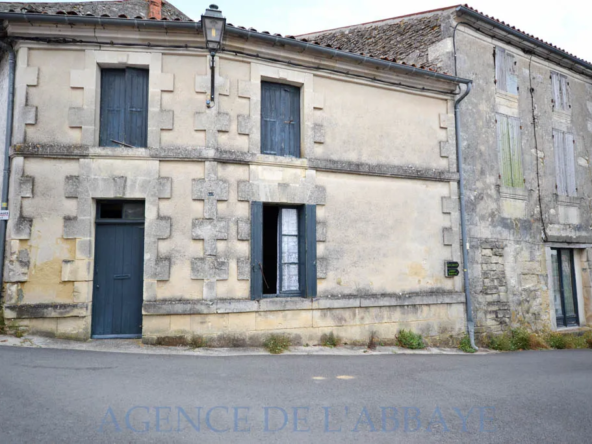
463 219
7 144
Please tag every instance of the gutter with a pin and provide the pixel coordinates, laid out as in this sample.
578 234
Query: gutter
463 219
8 142
330 53
509 30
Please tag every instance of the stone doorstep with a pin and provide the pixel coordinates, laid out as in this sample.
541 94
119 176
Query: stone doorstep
136 346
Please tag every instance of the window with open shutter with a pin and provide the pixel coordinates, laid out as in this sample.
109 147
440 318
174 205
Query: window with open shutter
565 167
283 251
510 151
506 76
280 119
124 107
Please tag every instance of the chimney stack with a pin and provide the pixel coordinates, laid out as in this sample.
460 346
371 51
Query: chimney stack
155 9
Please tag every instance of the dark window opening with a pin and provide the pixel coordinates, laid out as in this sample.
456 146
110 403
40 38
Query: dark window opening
283 251
280 119
123 210
124 108
270 249
564 288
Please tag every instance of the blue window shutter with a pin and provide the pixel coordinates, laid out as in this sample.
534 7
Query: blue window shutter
112 123
311 250
136 107
270 117
511 74
558 140
291 112
570 164
280 119
256 250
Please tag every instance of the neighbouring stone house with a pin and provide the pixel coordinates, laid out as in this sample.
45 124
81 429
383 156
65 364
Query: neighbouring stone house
317 194
526 140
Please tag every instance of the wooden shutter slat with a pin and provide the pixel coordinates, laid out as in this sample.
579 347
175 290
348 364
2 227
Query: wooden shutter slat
570 164
136 107
112 122
256 250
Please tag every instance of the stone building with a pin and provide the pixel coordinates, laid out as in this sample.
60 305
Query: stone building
526 140
317 193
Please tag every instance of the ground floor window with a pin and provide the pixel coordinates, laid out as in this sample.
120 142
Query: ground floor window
564 287
283 250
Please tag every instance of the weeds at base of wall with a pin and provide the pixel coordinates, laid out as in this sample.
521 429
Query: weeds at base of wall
465 345
330 340
195 341
277 344
521 339
2 322
372 342
410 340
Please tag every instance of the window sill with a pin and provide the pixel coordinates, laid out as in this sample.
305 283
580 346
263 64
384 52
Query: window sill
506 95
270 159
513 193
575 201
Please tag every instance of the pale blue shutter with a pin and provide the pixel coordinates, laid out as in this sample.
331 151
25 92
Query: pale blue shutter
558 147
500 68
511 74
570 164
256 250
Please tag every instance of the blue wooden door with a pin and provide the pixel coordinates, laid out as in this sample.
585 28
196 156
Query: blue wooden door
118 280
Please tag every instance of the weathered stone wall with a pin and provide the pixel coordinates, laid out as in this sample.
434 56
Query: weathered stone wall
509 275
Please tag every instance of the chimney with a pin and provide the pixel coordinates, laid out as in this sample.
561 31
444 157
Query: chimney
155 9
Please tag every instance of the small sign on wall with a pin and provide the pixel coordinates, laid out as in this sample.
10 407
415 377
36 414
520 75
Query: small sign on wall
4 214
451 269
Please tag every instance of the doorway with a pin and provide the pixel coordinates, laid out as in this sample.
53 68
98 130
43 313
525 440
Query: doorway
119 270
564 287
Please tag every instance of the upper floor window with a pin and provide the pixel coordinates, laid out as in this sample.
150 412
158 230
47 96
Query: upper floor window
509 146
560 92
124 107
280 119
565 165
506 77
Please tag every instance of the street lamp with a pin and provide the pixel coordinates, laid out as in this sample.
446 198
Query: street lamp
213 25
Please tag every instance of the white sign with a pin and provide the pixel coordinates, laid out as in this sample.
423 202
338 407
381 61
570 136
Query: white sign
4 214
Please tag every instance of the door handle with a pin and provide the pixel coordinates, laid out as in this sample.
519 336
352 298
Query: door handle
122 276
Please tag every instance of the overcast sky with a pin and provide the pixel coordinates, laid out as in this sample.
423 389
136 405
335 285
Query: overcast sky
565 23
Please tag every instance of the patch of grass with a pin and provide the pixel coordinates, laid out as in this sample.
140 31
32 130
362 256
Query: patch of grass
330 340
410 340
519 339
588 338
277 344
2 322
501 342
465 345
537 342
556 340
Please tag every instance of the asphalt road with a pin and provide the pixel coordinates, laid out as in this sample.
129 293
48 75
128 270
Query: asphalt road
78 397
